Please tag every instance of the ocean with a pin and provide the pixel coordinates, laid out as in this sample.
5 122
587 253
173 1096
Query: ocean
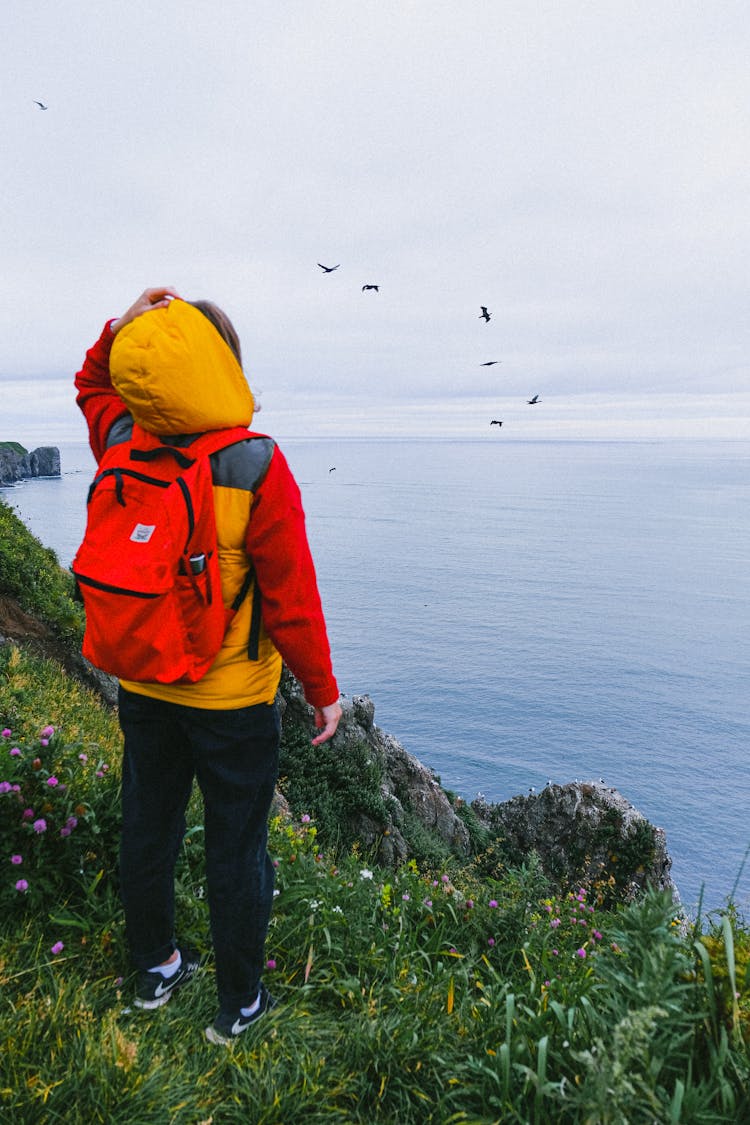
531 611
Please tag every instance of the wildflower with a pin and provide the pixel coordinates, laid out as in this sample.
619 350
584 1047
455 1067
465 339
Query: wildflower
16 859
405 898
445 879
65 830
40 825
470 904
22 886
44 741
6 733
27 814
5 787
72 822
83 757
490 941
554 923
36 764
57 948
270 963
337 910
428 902
15 752
365 873
596 935
581 953
52 782
555 952
305 818
493 903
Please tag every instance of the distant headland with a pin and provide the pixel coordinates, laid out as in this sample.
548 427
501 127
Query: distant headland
17 463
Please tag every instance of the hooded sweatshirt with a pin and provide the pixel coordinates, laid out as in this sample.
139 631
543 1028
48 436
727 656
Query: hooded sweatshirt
171 372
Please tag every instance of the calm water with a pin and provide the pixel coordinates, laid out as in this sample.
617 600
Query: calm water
525 611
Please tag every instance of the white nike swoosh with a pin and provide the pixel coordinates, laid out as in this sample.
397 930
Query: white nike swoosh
162 988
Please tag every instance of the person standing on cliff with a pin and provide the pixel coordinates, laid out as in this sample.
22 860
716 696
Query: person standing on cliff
175 368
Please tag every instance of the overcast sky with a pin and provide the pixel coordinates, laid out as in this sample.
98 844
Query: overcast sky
582 169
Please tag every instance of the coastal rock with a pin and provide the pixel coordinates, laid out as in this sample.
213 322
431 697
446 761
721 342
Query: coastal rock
17 464
582 832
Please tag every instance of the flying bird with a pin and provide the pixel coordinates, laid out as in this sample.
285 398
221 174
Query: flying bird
533 401
495 422
332 469
41 105
490 362
328 269
375 287
484 314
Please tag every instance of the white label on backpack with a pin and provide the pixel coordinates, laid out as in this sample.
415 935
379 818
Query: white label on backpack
142 532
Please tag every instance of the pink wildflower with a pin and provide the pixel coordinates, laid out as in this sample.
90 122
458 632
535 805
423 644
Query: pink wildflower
16 859
270 963
57 948
52 782
15 752
581 952
493 903
7 732
22 886
40 825
48 732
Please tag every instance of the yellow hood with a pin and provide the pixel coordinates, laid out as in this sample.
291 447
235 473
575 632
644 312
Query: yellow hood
177 375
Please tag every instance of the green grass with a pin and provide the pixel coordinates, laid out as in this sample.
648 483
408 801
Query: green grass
435 994
404 996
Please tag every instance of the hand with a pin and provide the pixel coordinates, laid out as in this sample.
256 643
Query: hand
149 299
326 720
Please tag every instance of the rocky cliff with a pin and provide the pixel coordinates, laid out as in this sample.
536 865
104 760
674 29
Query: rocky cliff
582 832
16 463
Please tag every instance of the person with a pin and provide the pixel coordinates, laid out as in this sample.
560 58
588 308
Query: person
174 368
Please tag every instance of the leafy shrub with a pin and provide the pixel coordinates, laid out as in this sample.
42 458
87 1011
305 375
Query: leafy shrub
336 789
31 573
58 820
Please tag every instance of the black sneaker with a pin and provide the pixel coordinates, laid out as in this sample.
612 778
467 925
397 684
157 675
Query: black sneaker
153 989
226 1027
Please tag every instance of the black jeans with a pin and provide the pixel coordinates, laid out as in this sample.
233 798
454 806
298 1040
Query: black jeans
234 755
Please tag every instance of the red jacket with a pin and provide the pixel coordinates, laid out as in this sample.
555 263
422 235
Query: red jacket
263 519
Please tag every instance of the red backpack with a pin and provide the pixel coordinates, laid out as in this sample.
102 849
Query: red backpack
148 568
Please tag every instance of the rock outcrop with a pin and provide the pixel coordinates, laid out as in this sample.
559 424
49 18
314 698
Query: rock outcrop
581 832
17 464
